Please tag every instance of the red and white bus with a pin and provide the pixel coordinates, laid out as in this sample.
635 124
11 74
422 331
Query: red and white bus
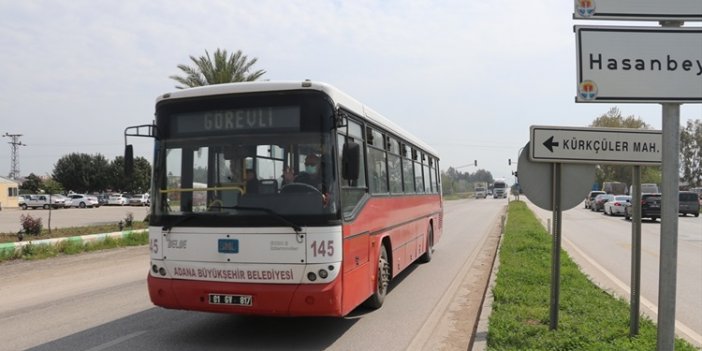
228 233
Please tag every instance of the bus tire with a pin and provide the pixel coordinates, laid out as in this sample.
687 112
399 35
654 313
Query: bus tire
375 301
426 257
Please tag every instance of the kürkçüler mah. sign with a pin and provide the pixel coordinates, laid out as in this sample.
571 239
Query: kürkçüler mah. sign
639 10
639 64
595 145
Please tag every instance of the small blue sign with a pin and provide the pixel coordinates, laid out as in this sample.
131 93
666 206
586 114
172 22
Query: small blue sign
228 246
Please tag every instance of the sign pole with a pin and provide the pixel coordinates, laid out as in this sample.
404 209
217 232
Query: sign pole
667 277
635 252
556 245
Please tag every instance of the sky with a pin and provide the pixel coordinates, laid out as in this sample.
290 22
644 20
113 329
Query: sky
467 77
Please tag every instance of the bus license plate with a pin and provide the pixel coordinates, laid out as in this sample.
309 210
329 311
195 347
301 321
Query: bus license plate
236 300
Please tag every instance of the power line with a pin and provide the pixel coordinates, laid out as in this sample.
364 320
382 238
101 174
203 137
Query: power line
14 160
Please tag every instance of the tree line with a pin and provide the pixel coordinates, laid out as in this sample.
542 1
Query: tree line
84 173
690 153
454 181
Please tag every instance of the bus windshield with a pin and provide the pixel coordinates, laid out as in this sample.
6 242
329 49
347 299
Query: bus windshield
246 165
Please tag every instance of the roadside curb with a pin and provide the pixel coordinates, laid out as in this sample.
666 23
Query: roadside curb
16 246
481 331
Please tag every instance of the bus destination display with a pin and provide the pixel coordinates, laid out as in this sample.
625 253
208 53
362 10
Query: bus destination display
236 120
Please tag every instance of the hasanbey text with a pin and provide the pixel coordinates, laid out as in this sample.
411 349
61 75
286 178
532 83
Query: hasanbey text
669 63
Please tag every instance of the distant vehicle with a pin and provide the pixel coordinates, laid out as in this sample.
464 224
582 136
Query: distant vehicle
616 188
40 201
646 188
598 204
617 206
103 198
139 200
590 198
58 200
499 189
480 190
82 201
689 202
117 200
650 207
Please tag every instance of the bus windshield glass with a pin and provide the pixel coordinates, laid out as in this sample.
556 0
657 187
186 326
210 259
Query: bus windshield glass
246 161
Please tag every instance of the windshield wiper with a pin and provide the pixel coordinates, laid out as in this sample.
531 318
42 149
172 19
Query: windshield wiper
180 220
294 226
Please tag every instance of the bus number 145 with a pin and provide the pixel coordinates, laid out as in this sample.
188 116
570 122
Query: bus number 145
322 248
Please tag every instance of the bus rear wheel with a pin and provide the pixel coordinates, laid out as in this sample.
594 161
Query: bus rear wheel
382 281
426 257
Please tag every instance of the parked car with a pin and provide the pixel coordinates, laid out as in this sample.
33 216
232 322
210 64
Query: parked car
650 207
103 198
599 202
58 201
139 200
22 201
117 200
35 201
590 198
688 203
82 201
617 206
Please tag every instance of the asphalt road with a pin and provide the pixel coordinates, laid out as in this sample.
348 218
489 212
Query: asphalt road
70 217
601 245
98 301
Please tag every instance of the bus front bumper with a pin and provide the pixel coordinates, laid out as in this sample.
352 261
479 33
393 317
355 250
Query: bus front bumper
267 299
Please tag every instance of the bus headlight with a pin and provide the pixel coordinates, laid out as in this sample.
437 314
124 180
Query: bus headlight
311 276
323 274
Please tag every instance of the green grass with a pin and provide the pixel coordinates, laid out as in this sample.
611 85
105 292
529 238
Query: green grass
71 247
71 231
589 318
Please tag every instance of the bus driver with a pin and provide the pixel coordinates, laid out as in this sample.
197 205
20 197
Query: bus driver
311 176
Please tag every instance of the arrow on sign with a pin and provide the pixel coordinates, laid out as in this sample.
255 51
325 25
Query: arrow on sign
549 144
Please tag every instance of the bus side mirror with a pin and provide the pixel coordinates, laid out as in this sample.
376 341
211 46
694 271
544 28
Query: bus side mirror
350 159
128 160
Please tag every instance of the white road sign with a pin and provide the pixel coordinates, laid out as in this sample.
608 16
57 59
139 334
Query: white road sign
595 145
639 64
639 10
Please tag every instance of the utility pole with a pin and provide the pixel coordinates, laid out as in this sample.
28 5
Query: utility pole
14 165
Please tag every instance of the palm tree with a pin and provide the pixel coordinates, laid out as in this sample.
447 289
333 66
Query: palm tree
224 68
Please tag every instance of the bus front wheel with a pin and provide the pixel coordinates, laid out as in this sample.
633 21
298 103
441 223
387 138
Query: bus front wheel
382 281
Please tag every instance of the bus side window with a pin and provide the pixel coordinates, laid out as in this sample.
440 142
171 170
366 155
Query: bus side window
353 176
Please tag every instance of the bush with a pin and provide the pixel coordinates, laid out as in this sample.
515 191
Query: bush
31 225
129 219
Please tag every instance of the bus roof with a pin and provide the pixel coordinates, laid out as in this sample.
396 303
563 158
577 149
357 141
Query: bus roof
340 99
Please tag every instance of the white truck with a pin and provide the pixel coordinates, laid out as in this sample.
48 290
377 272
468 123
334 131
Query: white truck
480 190
499 189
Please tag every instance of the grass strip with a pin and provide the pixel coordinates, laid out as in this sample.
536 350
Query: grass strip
72 231
70 247
589 318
